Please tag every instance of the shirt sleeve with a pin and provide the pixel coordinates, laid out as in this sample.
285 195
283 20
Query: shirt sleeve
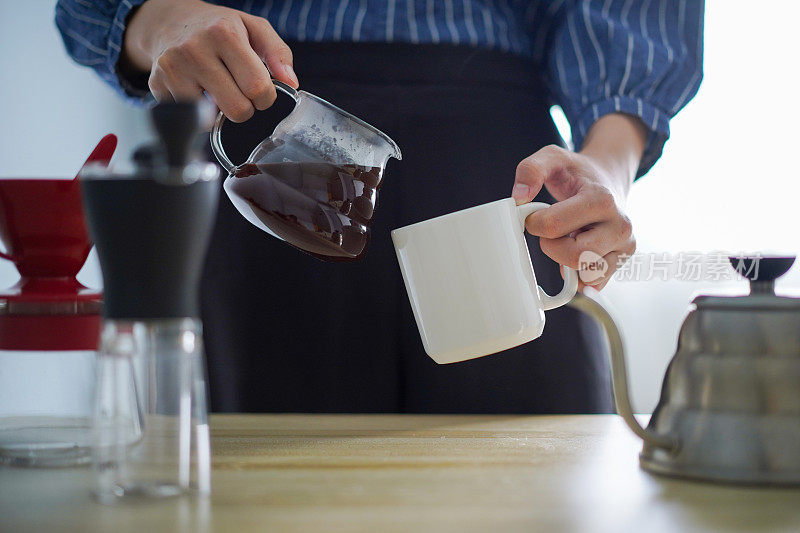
640 57
92 33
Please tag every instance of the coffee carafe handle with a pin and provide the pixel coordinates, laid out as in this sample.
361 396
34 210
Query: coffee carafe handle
570 276
216 132
589 304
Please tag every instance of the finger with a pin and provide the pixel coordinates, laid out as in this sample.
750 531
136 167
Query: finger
248 70
271 48
587 245
613 262
159 88
178 66
250 74
534 170
581 283
217 81
590 206
183 89
186 92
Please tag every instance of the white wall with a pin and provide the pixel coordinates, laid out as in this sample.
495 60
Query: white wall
727 179
54 112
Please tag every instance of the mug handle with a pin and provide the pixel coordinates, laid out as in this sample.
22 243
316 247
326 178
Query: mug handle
570 276
216 132
8 256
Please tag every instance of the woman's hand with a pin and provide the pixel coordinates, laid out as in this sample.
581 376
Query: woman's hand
190 47
588 221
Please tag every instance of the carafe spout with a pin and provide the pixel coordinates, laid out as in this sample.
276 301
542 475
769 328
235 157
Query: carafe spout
394 150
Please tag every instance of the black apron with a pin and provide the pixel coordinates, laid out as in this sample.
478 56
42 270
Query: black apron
285 332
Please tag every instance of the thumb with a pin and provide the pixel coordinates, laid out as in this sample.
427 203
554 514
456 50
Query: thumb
271 48
532 173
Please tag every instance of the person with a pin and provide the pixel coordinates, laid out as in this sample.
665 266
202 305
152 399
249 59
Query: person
465 88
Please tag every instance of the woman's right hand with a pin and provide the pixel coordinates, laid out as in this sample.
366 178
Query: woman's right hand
190 47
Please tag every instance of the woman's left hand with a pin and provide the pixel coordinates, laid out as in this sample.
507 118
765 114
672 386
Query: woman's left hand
587 228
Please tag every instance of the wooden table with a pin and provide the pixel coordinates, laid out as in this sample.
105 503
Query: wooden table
382 473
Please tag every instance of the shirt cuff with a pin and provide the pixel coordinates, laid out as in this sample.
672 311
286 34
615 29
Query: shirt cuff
655 120
134 89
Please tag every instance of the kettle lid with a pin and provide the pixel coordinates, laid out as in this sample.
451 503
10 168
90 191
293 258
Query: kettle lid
761 271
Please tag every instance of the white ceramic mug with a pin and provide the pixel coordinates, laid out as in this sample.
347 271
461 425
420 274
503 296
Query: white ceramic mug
470 280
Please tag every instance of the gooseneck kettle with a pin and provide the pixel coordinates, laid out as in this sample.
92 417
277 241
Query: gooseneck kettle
730 402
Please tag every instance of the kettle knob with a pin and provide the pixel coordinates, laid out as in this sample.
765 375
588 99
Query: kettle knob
761 271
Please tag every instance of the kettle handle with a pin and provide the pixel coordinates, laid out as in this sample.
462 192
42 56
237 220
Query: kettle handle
588 303
216 132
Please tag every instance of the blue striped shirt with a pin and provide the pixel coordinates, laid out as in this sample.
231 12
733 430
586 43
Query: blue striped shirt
641 57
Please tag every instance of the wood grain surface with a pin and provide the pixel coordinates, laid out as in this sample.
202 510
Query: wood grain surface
410 473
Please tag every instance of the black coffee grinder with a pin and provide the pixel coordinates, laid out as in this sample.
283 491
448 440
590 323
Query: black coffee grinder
151 227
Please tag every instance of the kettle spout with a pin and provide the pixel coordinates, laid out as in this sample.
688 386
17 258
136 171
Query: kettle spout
589 304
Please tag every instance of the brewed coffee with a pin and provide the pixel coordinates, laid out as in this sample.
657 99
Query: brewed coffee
313 182
318 207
